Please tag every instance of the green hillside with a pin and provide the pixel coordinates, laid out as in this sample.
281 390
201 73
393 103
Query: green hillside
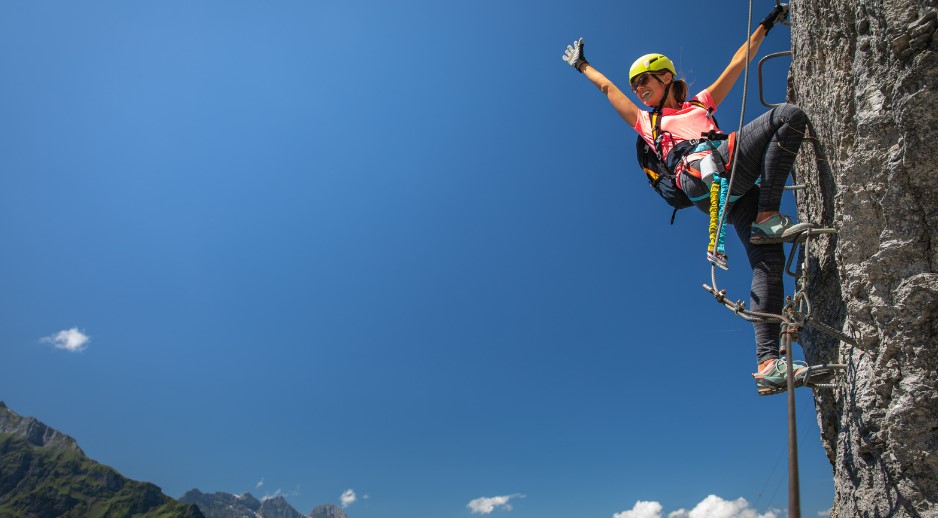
44 473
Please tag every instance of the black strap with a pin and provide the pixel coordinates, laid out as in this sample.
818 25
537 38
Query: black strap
656 125
656 116
714 135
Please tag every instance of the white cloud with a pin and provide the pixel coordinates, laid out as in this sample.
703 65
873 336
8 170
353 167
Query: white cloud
260 483
485 505
716 507
710 507
348 497
71 340
824 513
641 510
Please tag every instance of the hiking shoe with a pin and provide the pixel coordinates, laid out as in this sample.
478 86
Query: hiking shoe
777 229
772 379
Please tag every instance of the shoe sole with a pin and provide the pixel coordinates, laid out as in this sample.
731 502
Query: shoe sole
767 388
771 391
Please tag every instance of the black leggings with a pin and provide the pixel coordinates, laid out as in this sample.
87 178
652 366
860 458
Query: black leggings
766 151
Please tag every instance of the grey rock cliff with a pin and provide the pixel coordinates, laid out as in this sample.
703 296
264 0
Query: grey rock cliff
866 73
37 433
327 511
278 507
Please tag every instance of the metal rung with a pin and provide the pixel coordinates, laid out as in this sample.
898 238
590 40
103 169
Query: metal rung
814 232
834 366
762 62
796 187
799 240
827 371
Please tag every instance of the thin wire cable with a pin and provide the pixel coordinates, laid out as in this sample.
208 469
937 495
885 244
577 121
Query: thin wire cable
768 480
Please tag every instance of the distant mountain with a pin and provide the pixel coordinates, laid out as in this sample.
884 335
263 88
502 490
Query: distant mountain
327 511
227 505
278 507
44 473
223 505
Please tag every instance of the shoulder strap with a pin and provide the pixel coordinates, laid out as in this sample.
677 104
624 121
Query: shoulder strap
656 130
656 116
701 105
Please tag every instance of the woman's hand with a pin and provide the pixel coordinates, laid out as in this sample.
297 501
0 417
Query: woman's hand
623 106
574 55
777 15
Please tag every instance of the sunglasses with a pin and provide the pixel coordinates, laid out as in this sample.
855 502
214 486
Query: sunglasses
641 80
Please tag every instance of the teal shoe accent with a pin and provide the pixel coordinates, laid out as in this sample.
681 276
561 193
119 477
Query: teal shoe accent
777 229
773 379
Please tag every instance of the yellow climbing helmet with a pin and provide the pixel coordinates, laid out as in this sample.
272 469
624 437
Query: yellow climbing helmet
651 63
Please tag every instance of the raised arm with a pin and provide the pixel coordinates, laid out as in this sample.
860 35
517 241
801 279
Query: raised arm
722 86
620 102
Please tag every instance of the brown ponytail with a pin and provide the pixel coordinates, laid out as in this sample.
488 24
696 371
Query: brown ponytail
679 91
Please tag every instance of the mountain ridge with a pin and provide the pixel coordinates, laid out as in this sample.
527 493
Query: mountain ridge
228 505
43 472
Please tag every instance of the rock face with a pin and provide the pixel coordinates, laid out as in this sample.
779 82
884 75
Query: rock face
327 511
866 73
278 507
35 432
43 472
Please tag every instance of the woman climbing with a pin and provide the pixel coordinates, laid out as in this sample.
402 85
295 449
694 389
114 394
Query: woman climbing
766 151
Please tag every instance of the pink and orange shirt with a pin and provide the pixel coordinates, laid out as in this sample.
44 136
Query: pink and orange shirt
685 123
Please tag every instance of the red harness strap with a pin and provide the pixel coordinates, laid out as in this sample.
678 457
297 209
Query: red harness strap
730 147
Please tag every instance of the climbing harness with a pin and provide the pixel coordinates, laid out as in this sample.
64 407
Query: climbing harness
659 169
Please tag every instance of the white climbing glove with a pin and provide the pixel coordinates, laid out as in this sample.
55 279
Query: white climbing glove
778 14
574 55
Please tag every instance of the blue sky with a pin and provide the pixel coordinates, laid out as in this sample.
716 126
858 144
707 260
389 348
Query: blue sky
302 247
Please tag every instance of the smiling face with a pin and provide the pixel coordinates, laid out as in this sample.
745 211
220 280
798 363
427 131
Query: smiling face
650 87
